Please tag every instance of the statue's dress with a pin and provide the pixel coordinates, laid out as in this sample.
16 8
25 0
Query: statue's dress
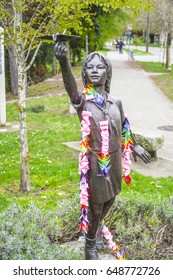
102 189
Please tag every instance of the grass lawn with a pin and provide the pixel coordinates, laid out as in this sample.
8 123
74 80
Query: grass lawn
53 166
165 83
155 67
137 52
165 78
54 184
52 176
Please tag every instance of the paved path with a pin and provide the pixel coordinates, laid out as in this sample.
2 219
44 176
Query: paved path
147 108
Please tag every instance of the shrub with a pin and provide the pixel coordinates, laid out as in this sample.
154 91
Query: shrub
24 235
36 108
138 41
143 228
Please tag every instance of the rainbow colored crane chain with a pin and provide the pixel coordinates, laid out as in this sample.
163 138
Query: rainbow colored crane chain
91 94
126 135
128 142
104 156
119 254
83 169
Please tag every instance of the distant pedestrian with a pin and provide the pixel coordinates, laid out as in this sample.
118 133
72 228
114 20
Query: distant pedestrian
121 45
116 43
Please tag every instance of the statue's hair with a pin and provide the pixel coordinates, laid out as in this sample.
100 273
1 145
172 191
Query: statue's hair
103 59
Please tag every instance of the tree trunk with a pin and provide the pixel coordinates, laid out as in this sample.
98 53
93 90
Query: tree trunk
147 31
168 52
2 82
20 61
24 153
54 71
164 49
13 71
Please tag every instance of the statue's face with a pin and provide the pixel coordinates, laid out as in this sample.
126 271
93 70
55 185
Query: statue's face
96 72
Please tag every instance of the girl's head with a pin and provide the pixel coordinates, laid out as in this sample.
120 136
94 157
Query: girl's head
100 67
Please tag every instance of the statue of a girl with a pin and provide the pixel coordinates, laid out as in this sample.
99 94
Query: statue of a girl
103 126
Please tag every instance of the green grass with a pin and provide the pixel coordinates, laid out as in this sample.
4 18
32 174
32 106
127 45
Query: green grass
103 51
164 81
150 188
53 166
156 45
137 52
53 177
154 67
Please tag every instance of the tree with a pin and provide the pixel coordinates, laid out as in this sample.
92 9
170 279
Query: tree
164 24
22 32
22 38
13 70
106 25
113 24
159 21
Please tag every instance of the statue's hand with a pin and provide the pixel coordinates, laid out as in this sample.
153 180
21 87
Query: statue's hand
141 152
60 50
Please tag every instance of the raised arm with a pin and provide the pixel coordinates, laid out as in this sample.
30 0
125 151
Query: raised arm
68 78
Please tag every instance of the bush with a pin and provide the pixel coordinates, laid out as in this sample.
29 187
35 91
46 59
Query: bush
36 109
24 235
138 41
143 228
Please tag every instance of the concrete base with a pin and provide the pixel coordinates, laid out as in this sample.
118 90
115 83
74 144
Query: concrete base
9 127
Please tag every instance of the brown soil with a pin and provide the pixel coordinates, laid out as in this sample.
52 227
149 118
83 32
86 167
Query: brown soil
52 86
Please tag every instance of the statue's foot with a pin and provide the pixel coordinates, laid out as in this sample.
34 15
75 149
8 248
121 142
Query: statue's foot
90 249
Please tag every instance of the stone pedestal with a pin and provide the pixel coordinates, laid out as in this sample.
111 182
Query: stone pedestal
151 141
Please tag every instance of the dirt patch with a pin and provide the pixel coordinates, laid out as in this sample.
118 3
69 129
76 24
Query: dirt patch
132 64
51 86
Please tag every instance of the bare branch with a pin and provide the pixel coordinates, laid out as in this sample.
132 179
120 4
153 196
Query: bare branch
34 56
33 38
30 23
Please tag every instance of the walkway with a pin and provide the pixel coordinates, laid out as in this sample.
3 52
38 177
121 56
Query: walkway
147 108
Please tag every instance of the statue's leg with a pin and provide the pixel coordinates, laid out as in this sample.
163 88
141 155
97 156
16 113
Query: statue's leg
107 205
100 240
94 215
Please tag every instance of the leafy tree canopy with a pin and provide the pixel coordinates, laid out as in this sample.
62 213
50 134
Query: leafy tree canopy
38 17
40 14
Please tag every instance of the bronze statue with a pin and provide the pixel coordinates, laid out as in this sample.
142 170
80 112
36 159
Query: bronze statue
104 141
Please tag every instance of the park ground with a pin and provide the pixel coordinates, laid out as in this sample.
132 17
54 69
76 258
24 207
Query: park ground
141 219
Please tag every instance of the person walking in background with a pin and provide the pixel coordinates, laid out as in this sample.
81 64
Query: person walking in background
116 43
121 45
